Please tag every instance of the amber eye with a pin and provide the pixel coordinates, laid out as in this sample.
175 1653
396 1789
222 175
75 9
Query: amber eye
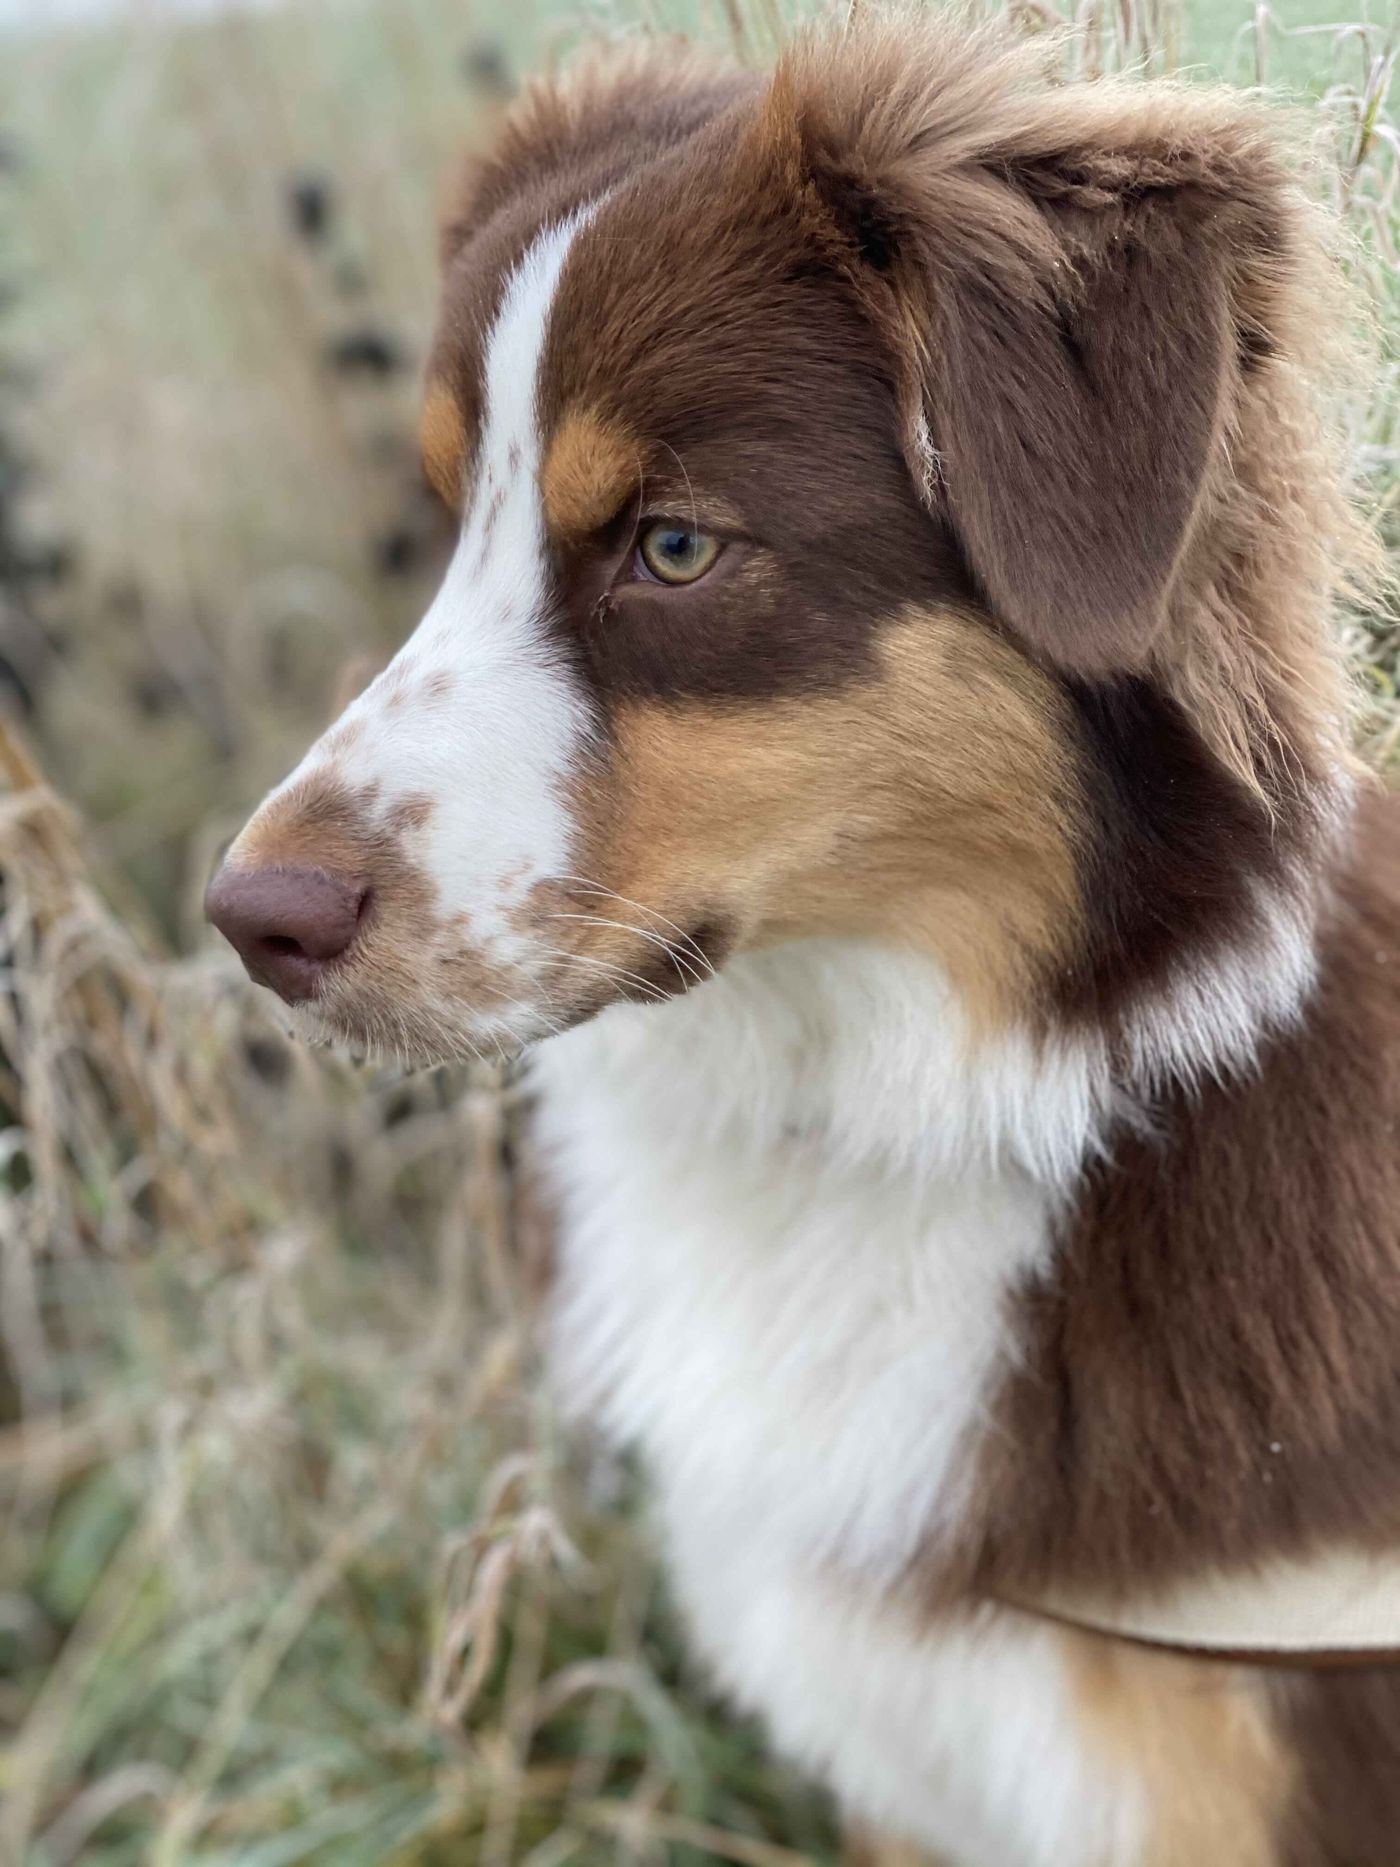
675 553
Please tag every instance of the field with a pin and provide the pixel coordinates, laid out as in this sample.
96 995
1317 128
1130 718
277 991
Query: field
295 1563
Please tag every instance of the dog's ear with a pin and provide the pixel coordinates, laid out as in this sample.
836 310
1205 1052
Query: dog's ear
1076 417
1062 275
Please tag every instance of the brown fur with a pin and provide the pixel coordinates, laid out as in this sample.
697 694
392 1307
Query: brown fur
1137 256
1233 1269
1210 1374
1346 1804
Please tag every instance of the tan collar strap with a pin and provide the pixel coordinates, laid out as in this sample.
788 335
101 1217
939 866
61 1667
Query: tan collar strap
1334 1609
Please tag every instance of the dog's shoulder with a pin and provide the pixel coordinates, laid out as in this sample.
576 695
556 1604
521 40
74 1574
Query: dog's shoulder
1211 1371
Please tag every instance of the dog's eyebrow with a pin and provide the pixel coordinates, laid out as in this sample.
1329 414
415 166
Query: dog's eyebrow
591 467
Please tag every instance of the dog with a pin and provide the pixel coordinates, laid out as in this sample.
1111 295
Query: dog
881 740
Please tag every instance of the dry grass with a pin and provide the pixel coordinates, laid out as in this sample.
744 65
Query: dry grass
297 1572
293 1566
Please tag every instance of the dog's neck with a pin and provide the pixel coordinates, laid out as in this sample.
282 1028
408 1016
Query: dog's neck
866 1054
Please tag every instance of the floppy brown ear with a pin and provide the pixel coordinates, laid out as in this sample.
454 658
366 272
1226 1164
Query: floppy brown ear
1058 270
1074 427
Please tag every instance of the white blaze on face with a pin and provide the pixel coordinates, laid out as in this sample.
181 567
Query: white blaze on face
475 713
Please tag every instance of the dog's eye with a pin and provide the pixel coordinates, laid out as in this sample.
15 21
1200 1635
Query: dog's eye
673 553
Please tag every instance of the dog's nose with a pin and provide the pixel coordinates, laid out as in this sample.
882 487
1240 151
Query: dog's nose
286 924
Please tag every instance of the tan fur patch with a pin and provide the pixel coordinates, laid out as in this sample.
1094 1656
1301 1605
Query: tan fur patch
589 470
320 823
931 807
1200 1737
442 435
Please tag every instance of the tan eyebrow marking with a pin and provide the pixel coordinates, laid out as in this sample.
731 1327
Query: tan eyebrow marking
589 470
442 435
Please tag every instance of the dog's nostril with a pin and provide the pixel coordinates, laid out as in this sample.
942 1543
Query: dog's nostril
286 924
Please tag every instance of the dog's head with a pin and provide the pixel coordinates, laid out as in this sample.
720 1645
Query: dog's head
851 544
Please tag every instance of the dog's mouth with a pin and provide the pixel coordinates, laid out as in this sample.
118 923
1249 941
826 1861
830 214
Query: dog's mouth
355 1011
413 1038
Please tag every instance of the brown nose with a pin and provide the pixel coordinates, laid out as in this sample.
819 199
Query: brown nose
286 925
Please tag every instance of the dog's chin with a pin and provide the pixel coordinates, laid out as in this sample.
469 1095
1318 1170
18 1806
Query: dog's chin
361 1016
418 1037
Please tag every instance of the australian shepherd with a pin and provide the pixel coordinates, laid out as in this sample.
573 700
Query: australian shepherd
881 738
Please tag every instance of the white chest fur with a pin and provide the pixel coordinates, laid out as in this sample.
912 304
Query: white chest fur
793 1213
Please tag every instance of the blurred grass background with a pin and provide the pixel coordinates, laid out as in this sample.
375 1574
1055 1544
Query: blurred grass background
293 1566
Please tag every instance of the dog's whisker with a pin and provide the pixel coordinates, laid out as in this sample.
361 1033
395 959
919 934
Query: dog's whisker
608 968
582 885
690 972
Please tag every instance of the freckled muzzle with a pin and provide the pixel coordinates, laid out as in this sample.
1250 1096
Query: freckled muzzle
333 898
